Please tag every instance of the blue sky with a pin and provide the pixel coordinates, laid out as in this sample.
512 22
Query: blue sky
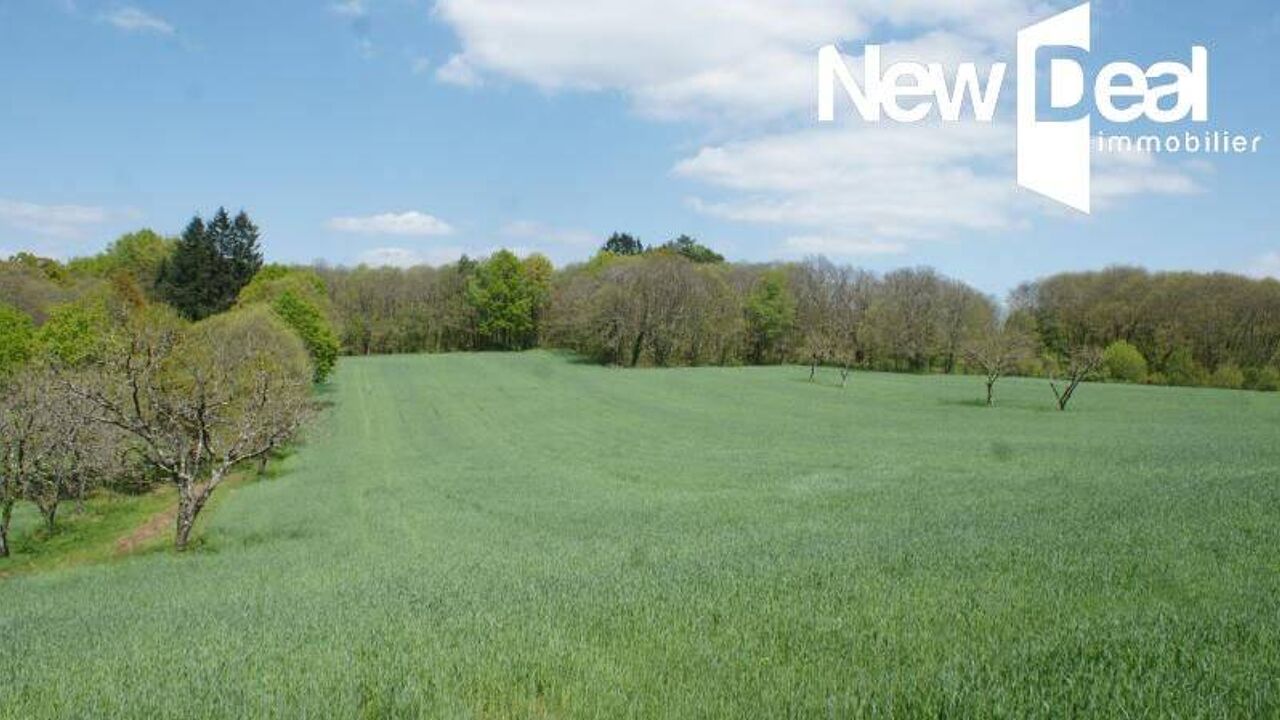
401 131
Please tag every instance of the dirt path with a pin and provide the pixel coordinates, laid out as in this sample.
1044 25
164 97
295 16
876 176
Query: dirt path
159 523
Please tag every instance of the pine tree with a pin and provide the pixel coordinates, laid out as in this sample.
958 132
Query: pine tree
210 265
244 253
623 244
222 281
183 279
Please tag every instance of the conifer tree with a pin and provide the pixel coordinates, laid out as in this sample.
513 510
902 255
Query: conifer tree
210 265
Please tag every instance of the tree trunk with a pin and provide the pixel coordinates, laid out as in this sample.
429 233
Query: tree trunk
263 460
1064 396
191 500
844 374
6 515
813 368
991 384
636 348
50 514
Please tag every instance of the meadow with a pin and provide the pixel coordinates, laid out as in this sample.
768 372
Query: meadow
522 535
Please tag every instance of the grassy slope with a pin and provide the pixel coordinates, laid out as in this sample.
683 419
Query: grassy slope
507 536
88 537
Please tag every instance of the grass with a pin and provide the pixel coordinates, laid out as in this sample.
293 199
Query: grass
90 536
496 536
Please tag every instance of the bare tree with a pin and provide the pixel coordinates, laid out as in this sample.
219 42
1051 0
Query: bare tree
200 400
21 429
1082 364
70 451
997 351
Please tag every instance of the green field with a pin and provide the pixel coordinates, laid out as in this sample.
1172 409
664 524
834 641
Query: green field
523 535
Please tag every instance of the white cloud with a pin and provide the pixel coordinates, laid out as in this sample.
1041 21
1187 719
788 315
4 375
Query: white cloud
63 221
410 223
747 67
1135 172
842 247
132 19
457 70
407 257
543 233
897 181
870 181
677 58
349 8
1267 265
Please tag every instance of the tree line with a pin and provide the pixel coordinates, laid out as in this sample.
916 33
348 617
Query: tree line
636 306
181 359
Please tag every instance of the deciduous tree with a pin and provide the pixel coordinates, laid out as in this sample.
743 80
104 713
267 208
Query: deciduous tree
1082 364
202 399
997 351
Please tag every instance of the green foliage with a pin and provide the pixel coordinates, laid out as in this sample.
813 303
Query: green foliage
305 319
1123 362
1266 379
138 255
1183 370
520 536
247 341
505 299
1227 376
623 244
274 280
17 334
687 247
75 333
49 268
210 265
1215 317
301 299
771 313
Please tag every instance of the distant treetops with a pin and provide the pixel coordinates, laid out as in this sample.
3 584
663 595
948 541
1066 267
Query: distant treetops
675 303
684 246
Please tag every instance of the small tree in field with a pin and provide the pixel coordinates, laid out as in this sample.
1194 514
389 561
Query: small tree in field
997 351
1082 364
202 399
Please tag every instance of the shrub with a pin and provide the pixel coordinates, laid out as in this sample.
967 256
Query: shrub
1227 376
1266 379
1123 362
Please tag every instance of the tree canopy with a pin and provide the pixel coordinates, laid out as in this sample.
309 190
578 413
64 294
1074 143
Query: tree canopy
17 333
210 264
300 298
